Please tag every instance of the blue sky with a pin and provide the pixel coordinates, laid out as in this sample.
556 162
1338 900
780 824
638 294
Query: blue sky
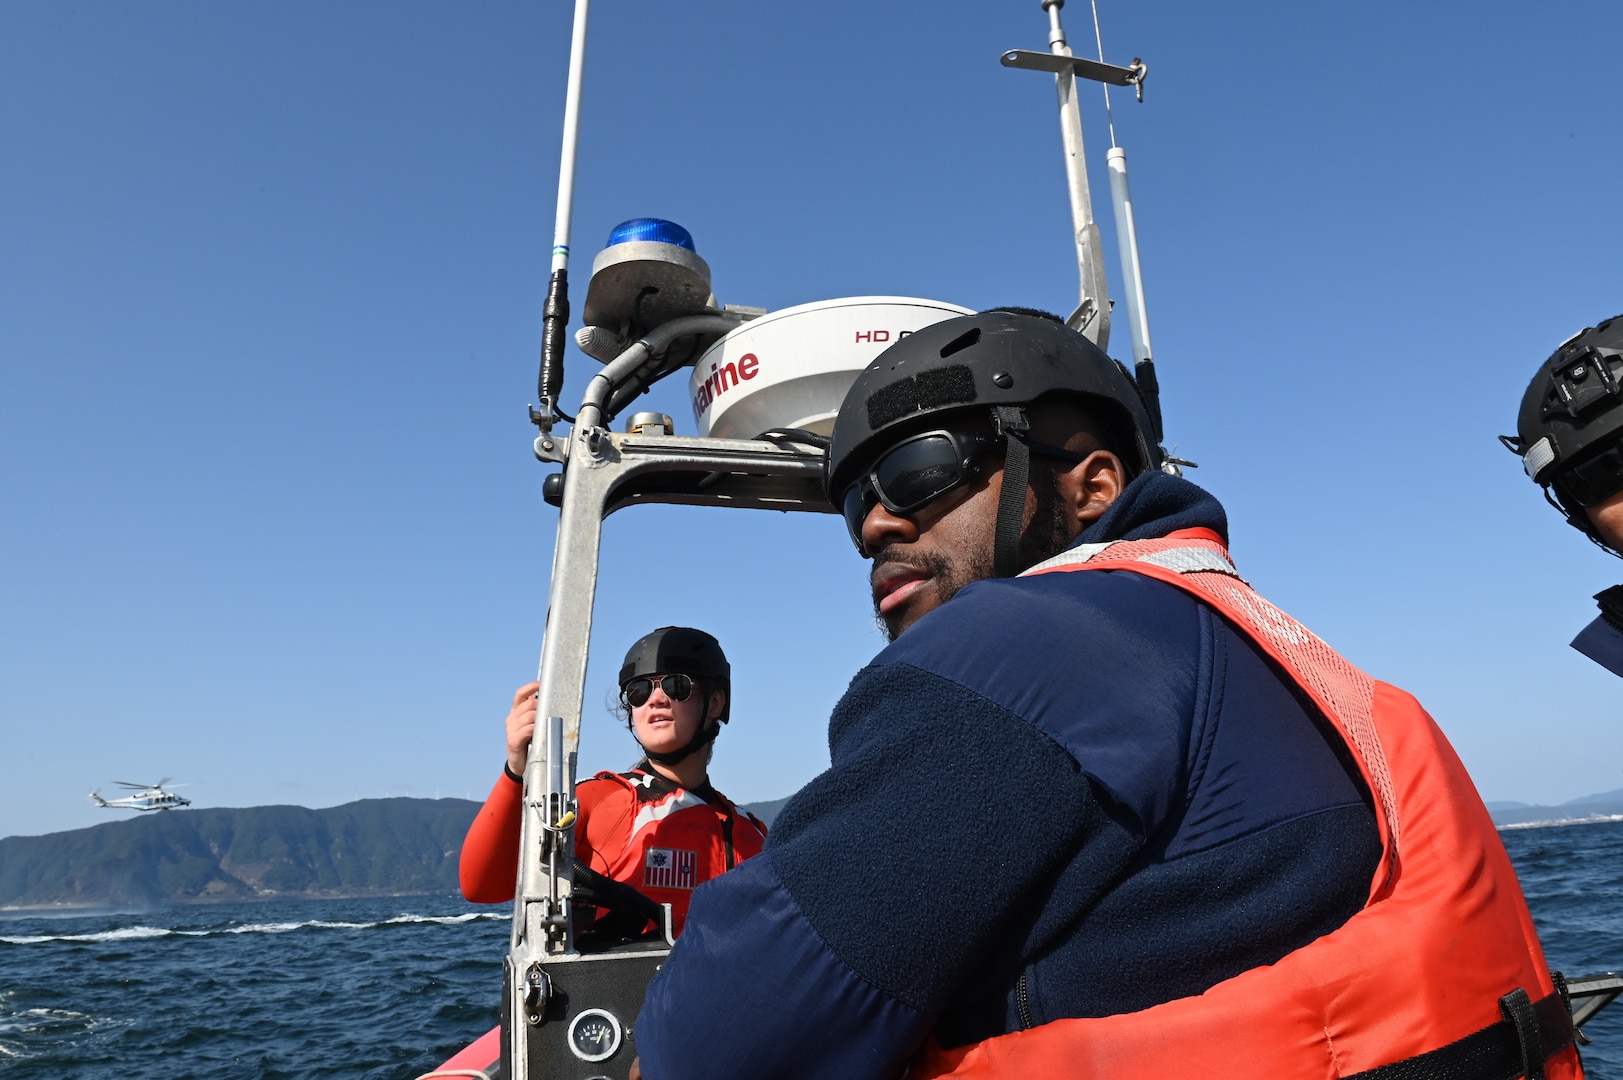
270 285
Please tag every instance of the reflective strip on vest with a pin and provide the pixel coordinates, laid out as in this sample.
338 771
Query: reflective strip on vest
648 813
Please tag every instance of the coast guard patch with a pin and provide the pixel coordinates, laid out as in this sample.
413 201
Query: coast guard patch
669 868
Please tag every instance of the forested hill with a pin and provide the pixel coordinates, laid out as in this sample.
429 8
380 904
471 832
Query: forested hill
374 847
370 847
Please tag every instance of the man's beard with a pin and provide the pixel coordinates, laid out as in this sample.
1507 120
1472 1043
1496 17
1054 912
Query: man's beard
947 576
1045 536
1049 532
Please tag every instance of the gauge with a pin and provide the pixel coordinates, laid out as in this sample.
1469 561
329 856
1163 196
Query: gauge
594 1035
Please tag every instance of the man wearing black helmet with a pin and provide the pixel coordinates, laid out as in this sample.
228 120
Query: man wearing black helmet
1569 435
660 828
1099 809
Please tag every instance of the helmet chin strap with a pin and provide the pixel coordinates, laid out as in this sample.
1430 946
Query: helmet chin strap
701 739
1011 504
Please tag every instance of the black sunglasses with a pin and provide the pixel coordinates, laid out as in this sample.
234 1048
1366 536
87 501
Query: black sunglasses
914 473
1594 479
919 470
637 692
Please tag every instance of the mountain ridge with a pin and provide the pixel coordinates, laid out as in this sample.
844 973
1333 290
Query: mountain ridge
372 847
1602 806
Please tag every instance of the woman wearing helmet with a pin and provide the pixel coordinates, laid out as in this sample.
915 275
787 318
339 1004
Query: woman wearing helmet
659 828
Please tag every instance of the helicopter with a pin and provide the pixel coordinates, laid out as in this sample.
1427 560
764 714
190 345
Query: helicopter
146 797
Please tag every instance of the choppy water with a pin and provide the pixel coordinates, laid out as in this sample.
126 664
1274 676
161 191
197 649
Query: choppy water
377 989
387 989
1573 878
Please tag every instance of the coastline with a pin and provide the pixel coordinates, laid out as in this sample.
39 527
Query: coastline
80 908
1590 819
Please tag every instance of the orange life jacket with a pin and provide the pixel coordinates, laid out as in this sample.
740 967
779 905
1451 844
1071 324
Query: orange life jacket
663 843
1444 935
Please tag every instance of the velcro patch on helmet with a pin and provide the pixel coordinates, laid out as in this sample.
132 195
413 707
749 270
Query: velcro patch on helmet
953 385
1538 456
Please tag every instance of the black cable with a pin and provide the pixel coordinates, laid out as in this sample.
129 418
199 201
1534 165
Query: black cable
780 436
554 320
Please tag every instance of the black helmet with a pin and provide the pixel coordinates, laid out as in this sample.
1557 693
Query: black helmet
682 650
1569 433
672 650
992 364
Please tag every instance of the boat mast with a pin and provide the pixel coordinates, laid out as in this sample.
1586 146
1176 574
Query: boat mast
1092 314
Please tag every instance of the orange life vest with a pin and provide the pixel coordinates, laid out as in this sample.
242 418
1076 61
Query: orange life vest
663 843
1444 935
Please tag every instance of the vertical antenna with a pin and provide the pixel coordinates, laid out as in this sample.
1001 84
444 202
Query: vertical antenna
1132 273
1138 322
1121 199
1099 40
555 312
1092 315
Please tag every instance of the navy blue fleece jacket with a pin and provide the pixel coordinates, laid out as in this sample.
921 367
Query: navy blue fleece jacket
1087 791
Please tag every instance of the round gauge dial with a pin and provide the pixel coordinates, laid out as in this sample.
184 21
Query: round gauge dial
594 1035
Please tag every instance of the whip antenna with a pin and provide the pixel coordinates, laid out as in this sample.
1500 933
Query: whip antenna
1099 39
555 312
1132 272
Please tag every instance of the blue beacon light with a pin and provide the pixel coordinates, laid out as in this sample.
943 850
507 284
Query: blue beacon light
653 229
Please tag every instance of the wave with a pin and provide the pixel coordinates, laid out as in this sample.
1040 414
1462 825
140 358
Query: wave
23 1027
448 920
137 933
129 933
36 1016
1588 819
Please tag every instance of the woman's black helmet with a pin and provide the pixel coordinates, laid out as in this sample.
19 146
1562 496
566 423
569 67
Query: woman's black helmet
1569 432
989 365
680 650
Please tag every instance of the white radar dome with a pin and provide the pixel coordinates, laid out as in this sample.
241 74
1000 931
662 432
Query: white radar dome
792 368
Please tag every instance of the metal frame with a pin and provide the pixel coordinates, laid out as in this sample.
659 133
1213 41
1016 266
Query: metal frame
1589 995
604 472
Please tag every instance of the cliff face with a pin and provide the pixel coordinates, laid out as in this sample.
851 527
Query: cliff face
375 846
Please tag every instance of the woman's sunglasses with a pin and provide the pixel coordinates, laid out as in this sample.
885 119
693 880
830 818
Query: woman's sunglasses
637 692
919 470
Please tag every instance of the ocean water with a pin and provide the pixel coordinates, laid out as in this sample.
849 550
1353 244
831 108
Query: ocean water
1572 876
386 989
380 989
